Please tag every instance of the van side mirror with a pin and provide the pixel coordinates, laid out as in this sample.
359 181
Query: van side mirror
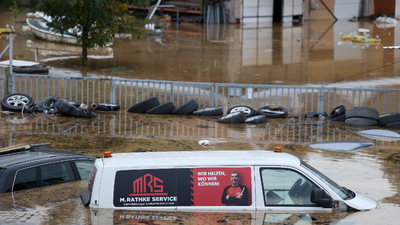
321 198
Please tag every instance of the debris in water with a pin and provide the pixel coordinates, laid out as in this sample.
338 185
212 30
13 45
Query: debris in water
340 145
378 134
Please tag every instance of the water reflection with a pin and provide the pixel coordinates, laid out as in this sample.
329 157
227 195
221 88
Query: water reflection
130 125
220 218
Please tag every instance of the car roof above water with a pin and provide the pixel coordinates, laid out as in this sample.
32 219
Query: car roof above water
201 158
34 155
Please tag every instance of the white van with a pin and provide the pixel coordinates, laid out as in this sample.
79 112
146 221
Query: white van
215 181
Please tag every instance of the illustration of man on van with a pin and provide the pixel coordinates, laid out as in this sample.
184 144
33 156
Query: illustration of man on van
235 194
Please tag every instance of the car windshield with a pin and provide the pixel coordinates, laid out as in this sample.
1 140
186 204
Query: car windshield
342 192
1 171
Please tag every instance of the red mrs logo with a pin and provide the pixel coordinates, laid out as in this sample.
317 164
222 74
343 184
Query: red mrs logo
148 185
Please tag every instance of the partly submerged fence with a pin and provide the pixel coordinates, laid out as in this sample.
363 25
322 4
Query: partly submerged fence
127 92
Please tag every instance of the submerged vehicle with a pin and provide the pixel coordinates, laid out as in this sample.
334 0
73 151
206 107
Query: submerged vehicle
214 181
41 31
24 167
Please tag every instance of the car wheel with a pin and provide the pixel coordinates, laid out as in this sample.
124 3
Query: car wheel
266 110
186 108
145 105
236 117
217 111
256 119
15 102
360 121
388 118
364 112
395 125
248 111
165 108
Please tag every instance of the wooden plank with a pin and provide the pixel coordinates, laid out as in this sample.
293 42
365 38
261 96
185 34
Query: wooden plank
385 6
167 9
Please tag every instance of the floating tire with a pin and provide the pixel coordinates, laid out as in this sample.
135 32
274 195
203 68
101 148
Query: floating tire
339 118
186 108
217 111
256 119
388 118
15 102
360 121
284 113
236 117
145 105
248 111
165 108
338 112
107 107
365 112
395 125
30 69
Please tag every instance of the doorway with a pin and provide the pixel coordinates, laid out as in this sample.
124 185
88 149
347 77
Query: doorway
278 11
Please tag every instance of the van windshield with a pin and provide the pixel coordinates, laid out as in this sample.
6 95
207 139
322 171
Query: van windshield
342 192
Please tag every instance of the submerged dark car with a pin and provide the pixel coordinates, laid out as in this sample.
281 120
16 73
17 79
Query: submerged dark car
30 166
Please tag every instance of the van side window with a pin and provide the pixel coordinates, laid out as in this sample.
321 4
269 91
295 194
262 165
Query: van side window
286 187
57 173
84 168
26 179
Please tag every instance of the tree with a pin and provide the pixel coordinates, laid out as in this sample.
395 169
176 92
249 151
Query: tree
94 22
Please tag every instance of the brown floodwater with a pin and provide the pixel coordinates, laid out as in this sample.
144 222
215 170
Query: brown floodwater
284 54
296 54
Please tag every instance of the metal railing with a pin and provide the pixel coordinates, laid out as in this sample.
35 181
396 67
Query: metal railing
79 89
132 91
297 99
383 100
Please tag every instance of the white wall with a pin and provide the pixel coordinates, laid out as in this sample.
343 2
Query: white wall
257 11
397 9
346 9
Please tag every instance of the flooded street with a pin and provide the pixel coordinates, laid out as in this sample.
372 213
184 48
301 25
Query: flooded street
293 54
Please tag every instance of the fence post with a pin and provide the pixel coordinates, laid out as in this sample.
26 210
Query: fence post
216 95
112 91
212 96
171 95
321 99
4 81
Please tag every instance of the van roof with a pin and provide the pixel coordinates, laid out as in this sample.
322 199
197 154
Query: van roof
200 158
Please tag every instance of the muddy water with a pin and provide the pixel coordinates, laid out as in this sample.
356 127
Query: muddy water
293 54
297 54
371 171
